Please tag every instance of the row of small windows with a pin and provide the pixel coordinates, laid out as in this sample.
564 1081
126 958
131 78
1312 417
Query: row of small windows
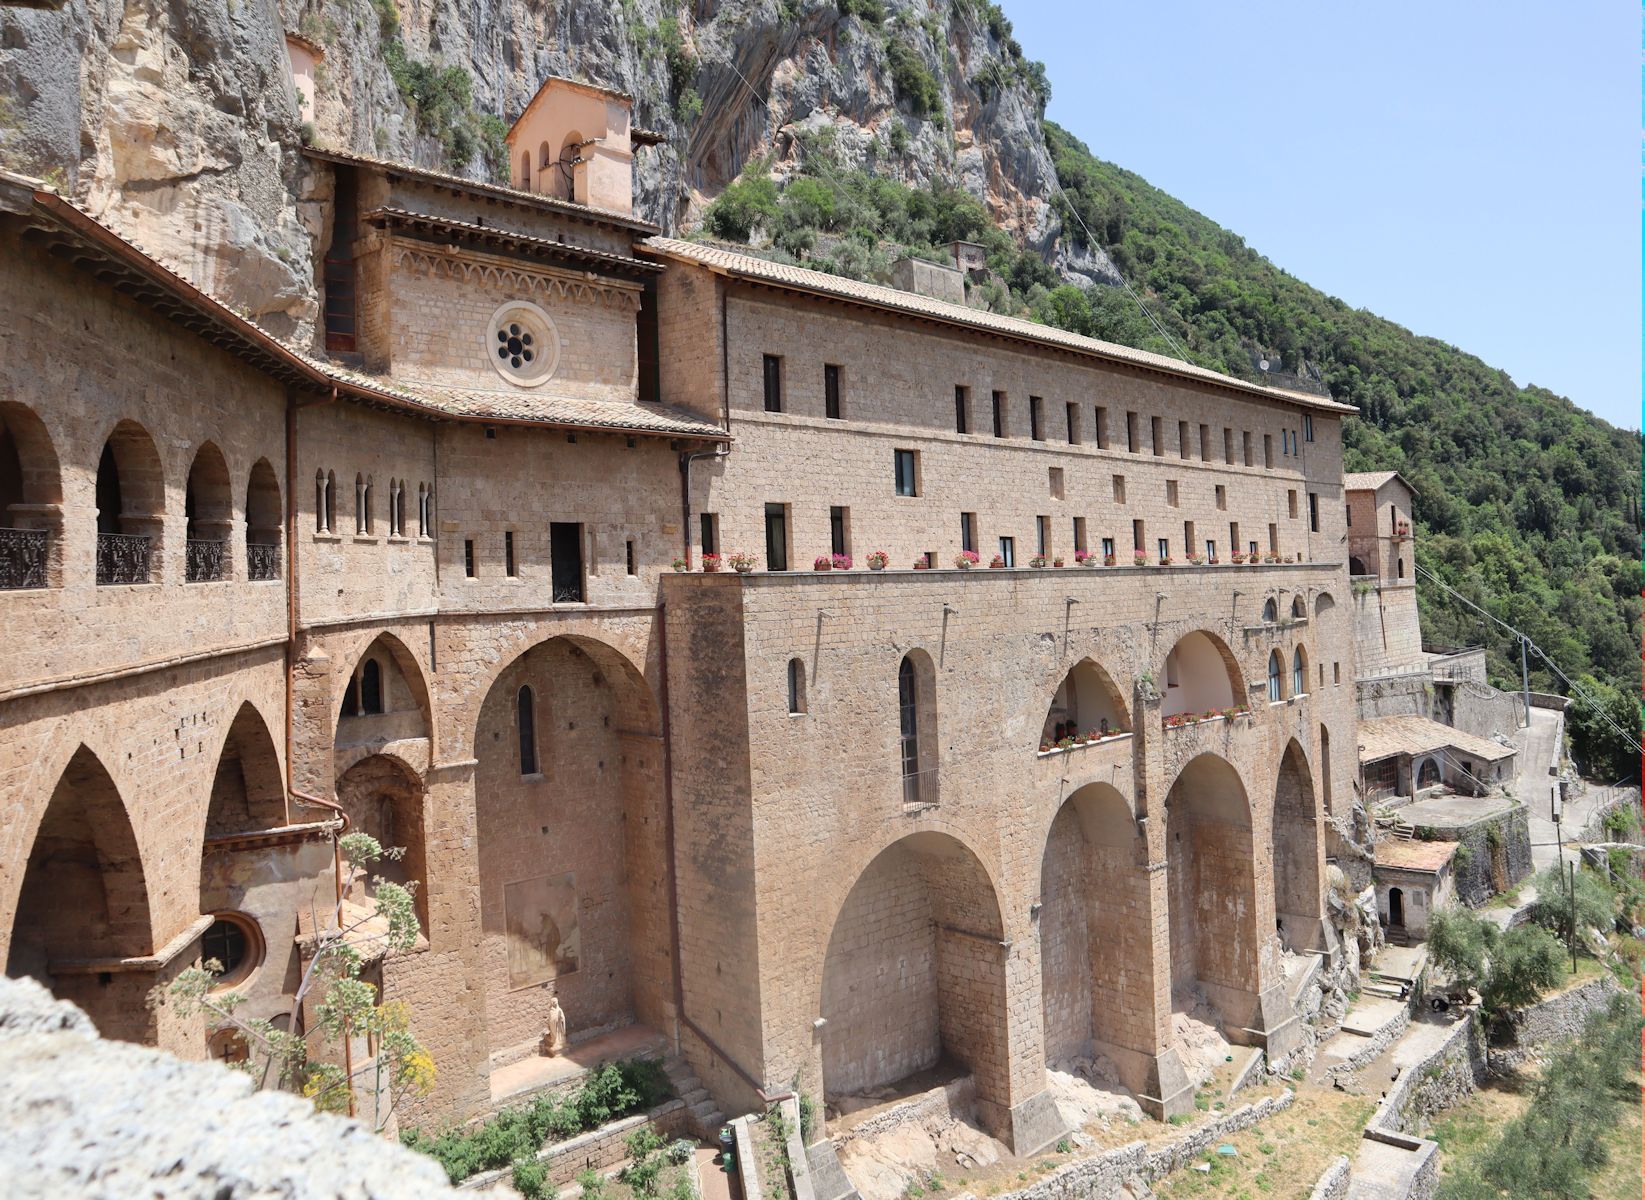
1073 422
365 502
130 498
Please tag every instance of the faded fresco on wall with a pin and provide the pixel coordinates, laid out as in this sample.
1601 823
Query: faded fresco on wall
541 916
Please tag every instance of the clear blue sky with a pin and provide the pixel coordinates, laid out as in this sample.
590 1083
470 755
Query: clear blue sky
1467 169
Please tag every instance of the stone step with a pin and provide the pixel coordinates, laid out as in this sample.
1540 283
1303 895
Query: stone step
695 1095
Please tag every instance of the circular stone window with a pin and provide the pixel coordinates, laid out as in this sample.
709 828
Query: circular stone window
234 941
523 344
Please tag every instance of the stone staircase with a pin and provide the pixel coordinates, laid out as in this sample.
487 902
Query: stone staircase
706 1117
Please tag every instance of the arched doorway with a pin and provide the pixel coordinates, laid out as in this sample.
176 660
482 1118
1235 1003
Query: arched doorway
262 519
573 871
915 973
208 511
1096 952
1396 908
131 507
1212 895
1428 773
84 904
1296 854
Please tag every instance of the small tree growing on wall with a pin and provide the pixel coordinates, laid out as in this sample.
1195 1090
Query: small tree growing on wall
344 1005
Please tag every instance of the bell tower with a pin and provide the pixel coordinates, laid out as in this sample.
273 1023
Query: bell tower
574 142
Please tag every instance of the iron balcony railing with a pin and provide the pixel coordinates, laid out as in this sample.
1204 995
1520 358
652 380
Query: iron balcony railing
206 561
262 561
122 558
22 558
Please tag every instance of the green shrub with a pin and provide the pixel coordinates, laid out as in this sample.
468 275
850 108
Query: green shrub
531 1178
870 11
745 205
913 79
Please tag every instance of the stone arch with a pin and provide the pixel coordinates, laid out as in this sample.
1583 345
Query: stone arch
384 797
1323 604
1299 670
1201 675
1095 938
1270 610
917 729
1276 676
31 496
573 871
1212 894
263 521
247 790
208 512
1086 701
914 972
131 506
84 903
1356 565
1428 773
406 708
1299 606
1296 853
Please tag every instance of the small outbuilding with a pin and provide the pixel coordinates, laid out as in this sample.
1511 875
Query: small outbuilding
1412 879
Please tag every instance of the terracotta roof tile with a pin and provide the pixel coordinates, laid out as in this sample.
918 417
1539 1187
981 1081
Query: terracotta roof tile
1414 855
575 412
1382 737
1370 481
747 266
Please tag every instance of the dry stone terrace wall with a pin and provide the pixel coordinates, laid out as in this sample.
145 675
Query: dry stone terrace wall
824 795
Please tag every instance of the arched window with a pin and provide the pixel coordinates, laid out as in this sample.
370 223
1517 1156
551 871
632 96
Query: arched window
1276 677
1401 563
1299 607
131 504
262 522
525 171
908 708
796 687
371 688
1356 566
525 716
206 511
1299 672
1270 610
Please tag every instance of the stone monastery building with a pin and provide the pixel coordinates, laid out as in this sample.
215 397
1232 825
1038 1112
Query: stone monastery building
813 828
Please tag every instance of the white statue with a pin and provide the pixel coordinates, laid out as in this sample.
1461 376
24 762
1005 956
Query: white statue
553 1041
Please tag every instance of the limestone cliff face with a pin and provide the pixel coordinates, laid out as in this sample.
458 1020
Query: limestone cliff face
175 120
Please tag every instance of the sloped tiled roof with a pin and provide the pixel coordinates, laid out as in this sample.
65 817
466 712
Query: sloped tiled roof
1405 855
539 406
497 191
747 266
1370 481
1382 737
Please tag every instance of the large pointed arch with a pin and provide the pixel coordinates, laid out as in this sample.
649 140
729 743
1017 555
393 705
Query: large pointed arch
915 971
1298 865
399 708
1201 676
84 903
247 789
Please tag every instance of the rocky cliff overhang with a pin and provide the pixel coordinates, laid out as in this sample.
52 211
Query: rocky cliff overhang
763 272
72 235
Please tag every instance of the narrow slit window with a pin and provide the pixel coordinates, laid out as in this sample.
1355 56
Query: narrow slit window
773 383
508 554
796 687
831 392
525 715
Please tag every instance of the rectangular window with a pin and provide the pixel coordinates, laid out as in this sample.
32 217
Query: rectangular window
1205 443
968 531
776 537
999 414
1042 535
1210 550
962 409
1056 482
1184 449
468 558
1291 502
508 554
1273 538
839 530
1349 510
1164 549
1139 541
710 523
1222 498
1228 446
907 472
1313 511
1102 428
1336 672
1233 536
1008 551
1036 418
1247 436
1119 489
1071 412
1079 535
1171 493
565 561
1285 442
1268 450
1253 555
1188 537
831 391
1156 435
1307 427
629 554
773 383
1108 547
1131 432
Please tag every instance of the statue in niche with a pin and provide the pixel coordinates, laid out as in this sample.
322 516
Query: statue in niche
553 1040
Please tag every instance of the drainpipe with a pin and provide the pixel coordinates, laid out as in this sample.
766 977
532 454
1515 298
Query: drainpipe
292 591
767 1098
685 495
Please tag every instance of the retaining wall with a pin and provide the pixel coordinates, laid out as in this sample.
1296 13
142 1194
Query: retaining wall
1333 1185
1553 1020
598 1149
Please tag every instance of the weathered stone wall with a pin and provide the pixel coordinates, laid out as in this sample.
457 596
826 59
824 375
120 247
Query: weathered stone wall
1553 1020
597 1150
1333 1185
1387 632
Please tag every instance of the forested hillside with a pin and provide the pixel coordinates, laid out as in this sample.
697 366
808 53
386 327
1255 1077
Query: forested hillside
1526 504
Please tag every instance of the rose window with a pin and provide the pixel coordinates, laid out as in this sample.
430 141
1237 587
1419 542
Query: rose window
523 344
